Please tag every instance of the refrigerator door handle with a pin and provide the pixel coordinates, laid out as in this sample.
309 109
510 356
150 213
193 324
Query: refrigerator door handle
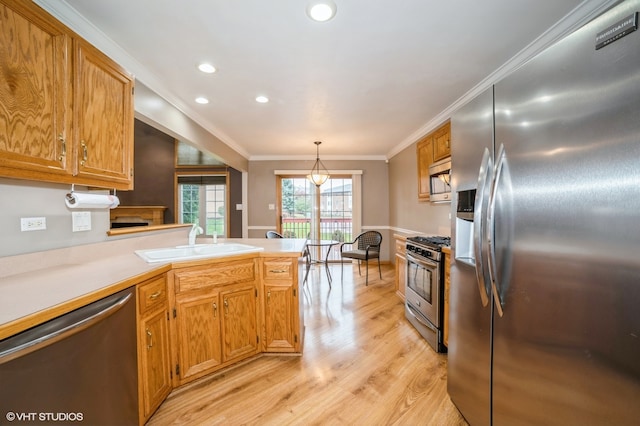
485 180
498 287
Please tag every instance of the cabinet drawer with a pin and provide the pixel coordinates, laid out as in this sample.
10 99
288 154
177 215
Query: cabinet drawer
152 293
280 268
224 273
401 246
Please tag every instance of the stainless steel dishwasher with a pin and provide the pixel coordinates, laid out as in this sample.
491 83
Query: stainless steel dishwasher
79 368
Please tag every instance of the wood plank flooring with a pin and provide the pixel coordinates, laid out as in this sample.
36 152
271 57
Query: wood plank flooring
363 364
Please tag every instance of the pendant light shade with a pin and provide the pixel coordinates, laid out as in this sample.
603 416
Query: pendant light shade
319 173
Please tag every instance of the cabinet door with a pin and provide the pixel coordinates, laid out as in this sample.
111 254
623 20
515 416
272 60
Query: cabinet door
280 314
401 274
425 158
239 330
198 322
103 119
155 361
34 94
442 142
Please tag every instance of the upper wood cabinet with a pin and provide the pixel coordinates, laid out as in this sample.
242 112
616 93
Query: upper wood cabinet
103 119
425 158
433 147
442 142
66 110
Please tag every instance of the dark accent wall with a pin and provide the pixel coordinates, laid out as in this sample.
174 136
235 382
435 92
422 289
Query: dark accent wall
153 167
235 197
153 184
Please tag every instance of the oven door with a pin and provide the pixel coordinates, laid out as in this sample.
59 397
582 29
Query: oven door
422 291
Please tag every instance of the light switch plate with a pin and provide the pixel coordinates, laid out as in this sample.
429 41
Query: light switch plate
81 221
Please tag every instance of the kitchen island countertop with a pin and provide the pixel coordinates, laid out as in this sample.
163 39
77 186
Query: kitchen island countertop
37 287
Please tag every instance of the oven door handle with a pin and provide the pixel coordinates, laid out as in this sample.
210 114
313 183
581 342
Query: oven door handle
422 262
419 319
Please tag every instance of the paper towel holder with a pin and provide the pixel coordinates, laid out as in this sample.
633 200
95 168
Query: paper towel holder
69 197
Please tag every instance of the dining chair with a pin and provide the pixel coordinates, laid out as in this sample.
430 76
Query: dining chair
273 234
365 246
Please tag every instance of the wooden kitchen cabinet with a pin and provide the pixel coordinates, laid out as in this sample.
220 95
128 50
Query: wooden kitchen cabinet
103 119
154 362
442 142
433 147
281 305
239 322
401 265
424 154
447 286
216 319
67 109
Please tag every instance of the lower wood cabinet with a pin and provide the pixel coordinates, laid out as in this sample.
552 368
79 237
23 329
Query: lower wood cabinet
401 266
198 319
281 305
216 322
154 362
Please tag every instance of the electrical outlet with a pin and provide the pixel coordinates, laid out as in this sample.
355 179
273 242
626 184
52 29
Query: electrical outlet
33 223
81 221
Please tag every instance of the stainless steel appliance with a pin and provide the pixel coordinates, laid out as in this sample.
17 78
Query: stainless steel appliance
545 280
79 368
439 181
424 290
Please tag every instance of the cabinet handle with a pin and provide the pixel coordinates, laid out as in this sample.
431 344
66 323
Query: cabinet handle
84 153
149 339
226 307
278 271
215 310
268 297
155 295
63 144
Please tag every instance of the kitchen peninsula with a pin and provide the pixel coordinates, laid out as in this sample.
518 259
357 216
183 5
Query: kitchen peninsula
242 304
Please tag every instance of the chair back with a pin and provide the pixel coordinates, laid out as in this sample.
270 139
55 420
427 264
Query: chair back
273 234
369 239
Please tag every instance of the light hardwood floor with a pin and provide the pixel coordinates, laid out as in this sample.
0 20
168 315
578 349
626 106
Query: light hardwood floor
363 364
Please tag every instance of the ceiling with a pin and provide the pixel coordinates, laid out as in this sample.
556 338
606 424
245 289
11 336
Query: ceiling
367 83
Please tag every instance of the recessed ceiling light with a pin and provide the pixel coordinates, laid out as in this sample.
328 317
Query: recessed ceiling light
202 100
262 99
207 68
321 11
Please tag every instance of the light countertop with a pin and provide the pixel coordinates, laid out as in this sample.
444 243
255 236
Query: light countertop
37 287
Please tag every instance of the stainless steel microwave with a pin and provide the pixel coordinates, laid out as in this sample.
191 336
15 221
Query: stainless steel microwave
440 181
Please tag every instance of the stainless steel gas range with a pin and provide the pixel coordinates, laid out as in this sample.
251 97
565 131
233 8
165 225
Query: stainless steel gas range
424 291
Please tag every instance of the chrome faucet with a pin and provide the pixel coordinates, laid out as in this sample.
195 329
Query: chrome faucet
195 230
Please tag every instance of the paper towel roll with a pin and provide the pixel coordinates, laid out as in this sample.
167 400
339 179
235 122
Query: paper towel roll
77 200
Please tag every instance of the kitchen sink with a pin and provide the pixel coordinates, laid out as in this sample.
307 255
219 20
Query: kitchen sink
198 251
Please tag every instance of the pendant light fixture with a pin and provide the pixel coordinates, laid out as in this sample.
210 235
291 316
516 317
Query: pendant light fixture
319 173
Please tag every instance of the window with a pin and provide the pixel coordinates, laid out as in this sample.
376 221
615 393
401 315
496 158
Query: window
298 198
202 199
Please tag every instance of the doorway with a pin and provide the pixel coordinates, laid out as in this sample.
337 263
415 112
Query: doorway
306 211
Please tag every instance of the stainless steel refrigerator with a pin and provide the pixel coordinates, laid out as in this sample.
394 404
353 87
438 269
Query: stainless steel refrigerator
545 281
